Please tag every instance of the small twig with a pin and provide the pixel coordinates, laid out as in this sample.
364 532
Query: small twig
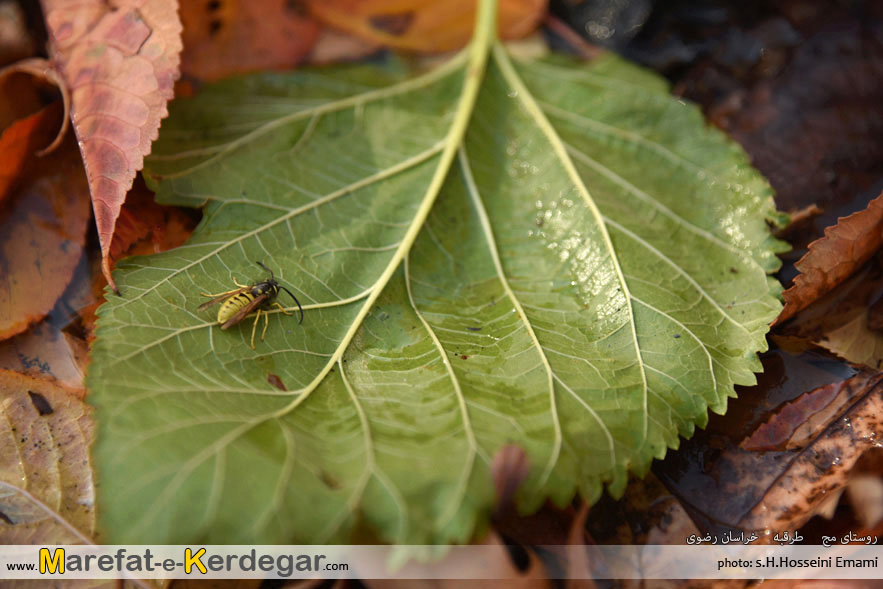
580 46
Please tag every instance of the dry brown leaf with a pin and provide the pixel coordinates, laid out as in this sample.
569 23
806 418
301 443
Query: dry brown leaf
46 487
42 239
120 62
856 342
647 514
227 37
824 435
830 260
46 352
726 482
424 25
22 140
843 321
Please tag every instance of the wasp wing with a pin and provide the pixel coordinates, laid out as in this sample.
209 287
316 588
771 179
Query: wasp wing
246 310
221 298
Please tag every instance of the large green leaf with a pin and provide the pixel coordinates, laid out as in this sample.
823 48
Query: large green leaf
498 251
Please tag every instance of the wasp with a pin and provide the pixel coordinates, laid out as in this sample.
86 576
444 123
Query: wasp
241 302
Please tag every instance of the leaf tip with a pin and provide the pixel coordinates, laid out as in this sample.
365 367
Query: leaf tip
105 269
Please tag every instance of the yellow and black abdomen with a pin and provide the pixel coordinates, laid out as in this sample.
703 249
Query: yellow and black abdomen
233 305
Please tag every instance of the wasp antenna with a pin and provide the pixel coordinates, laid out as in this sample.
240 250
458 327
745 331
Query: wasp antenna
299 308
261 264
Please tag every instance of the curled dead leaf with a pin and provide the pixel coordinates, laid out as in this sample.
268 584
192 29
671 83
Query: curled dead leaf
42 69
419 25
21 141
120 62
830 260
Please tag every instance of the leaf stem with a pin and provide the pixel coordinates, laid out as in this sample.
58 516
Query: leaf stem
478 50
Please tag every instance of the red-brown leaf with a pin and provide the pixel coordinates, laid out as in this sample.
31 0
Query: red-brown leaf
42 238
831 259
120 61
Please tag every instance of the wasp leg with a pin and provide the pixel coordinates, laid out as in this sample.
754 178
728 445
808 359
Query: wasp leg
266 325
254 327
281 308
220 294
236 282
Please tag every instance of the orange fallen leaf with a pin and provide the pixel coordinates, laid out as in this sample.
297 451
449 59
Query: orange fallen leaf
20 141
424 25
42 238
830 260
226 37
145 227
120 61
46 485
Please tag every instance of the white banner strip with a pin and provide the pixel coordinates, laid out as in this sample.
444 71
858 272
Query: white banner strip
854 561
